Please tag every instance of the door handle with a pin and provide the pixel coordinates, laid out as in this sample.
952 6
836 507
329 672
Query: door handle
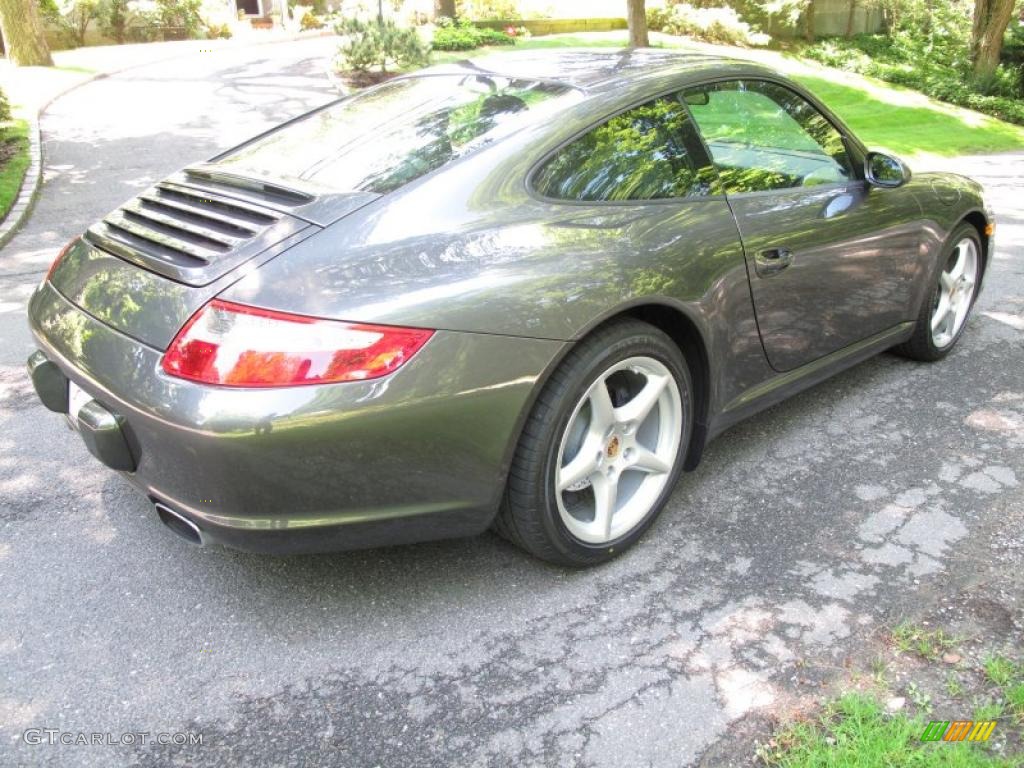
772 261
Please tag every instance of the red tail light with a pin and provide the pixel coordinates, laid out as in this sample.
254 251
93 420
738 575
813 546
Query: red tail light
60 256
238 346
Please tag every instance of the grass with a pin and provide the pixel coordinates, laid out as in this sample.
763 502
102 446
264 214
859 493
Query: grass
76 68
928 644
856 732
878 118
882 115
991 710
14 160
587 40
954 686
999 669
1004 673
1015 701
880 671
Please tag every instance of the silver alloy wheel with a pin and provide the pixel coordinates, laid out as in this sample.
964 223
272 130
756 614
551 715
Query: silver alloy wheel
618 450
956 290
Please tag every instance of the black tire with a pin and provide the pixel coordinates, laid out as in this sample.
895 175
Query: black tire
529 514
921 345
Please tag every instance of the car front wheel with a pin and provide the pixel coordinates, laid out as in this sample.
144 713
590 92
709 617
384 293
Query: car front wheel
602 448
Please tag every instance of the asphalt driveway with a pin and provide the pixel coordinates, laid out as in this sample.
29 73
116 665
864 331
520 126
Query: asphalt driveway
892 490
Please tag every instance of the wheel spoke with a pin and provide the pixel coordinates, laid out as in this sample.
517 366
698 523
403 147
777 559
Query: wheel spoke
581 467
961 263
637 409
648 461
946 281
602 412
959 313
941 312
606 493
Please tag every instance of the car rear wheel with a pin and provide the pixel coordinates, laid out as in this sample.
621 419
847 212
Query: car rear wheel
602 448
945 311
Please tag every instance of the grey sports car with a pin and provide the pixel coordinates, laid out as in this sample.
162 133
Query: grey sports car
521 292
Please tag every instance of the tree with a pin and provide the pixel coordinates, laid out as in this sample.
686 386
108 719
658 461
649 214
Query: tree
809 21
379 43
444 8
850 18
636 17
114 18
79 16
23 34
991 17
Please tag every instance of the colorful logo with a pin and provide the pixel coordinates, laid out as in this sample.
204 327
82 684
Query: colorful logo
958 730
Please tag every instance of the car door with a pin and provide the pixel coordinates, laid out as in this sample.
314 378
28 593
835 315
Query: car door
635 215
830 260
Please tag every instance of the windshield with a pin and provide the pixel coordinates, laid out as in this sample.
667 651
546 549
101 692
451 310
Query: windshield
388 136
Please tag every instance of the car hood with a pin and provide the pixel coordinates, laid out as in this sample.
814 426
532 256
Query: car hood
146 267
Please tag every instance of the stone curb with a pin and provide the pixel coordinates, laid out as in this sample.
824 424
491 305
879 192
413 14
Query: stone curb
26 198
32 182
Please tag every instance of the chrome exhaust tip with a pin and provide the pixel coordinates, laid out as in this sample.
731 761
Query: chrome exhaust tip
178 523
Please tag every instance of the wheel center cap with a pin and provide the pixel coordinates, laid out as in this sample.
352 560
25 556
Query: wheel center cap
612 449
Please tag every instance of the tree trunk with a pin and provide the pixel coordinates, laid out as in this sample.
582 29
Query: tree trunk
23 34
850 18
636 17
444 8
809 21
991 18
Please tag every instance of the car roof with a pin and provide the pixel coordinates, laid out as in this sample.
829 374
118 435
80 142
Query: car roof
596 69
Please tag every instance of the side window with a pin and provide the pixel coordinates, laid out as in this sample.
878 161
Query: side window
763 136
651 152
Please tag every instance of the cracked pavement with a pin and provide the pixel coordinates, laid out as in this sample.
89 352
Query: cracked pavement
805 531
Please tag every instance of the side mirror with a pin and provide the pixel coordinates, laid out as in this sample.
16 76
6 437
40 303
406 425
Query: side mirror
886 171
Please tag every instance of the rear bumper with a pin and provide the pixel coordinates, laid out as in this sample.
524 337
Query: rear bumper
419 455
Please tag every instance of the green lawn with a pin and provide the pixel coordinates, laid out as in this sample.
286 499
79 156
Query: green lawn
882 115
934 128
13 162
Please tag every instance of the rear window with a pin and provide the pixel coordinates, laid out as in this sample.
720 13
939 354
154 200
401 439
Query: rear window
386 137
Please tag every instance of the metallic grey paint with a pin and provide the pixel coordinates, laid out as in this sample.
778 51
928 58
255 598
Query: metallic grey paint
510 281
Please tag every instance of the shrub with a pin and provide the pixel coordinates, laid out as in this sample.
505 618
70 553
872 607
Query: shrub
179 16
715 25
657 18
308 18
453 39
494 37
464 36
380 43
144 26
114 17
215 31
5 107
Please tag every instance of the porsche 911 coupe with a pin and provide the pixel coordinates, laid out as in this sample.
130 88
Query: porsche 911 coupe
521 292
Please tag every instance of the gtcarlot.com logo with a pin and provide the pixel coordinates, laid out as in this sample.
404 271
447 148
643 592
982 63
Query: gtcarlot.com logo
958 730
109 738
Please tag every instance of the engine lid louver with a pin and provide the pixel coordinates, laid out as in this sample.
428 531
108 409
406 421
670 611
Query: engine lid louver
192 234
